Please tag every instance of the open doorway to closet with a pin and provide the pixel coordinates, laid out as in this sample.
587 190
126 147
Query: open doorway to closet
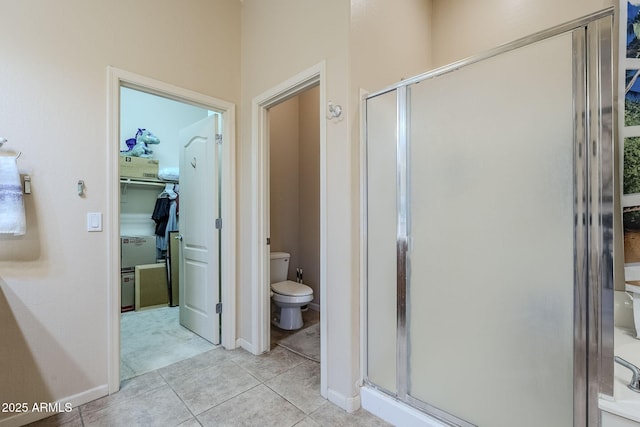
155 325
167 227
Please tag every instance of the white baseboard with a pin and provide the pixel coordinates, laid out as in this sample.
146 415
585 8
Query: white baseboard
394 411
75 401
349 404
241 342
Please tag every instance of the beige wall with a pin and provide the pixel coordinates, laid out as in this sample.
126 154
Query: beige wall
284 180
309 172
389 41
281 38
53 80
466 27
294 135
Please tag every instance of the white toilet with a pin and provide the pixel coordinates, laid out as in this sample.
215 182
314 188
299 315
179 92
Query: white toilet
287 295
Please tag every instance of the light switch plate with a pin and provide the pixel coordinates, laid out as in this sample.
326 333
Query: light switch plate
94 221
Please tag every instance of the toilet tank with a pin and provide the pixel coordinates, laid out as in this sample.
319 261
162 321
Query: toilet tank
279 266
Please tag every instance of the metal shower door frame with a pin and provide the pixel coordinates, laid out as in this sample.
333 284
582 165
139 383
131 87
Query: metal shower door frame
593 215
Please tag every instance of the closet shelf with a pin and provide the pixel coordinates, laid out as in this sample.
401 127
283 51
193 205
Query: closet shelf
156 183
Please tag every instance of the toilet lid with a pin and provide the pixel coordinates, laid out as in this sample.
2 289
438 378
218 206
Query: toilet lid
292 288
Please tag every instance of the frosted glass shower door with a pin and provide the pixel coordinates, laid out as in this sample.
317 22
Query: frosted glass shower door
381 239
491 255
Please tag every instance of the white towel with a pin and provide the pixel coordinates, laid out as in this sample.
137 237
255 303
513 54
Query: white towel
169 174
12 218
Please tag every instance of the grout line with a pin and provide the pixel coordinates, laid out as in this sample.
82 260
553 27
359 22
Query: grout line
179 397
81 417
300 360
225 401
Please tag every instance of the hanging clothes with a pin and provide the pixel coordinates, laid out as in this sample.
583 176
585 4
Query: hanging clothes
161 214
162 241
165 215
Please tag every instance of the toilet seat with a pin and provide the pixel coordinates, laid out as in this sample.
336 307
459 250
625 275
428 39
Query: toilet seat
291 288
289 300
290 292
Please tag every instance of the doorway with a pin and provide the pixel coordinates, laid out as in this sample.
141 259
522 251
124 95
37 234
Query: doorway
314 76
119 79
294 211
163 259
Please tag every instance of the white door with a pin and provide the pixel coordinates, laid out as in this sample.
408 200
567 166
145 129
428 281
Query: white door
199 210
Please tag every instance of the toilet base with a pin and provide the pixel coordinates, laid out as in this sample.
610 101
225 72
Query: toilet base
290 318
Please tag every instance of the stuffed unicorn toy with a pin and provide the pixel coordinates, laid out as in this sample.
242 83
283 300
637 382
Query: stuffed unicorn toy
139 146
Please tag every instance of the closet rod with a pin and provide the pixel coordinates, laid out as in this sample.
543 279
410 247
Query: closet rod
139 182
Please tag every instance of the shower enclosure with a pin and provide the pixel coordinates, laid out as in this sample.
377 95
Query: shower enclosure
488 236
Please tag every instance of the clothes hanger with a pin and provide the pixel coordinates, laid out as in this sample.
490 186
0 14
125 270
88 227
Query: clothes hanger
168 192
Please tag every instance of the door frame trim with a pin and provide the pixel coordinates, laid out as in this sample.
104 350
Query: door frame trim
117 78
313 76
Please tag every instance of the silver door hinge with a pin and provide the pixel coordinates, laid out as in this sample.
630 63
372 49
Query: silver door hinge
218 223
218 138
219 308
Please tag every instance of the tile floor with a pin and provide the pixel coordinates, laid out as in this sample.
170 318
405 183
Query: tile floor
309 317
151 339
213 388
220 388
